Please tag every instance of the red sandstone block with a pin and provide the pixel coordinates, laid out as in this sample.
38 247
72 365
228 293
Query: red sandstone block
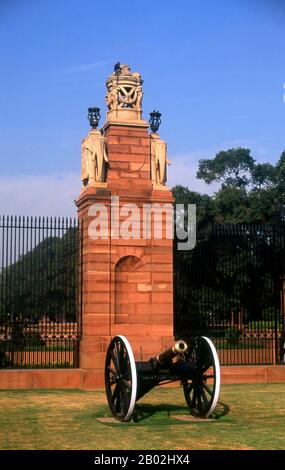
127 131
113 139
138 297
119 166
163 287
125 308
99 257
95 318
141 276
121 318
161 319
162 308
89 328
162 268
58 379
102 309
162 277
97 286
89 344
139 319
95 361
275 374
131 242
127 330
157 250
162 242
123 290
117 148
16 379
113 175
143 308
92 380
162 330
96 329
148 347
123 275
139 187
163 258
96 346
126 139
94 266
241 374
139 149
93 276
125 157
125 174
96 257
101 297
94 248
145 141
144 174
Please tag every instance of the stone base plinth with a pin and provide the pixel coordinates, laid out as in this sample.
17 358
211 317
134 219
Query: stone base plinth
40 379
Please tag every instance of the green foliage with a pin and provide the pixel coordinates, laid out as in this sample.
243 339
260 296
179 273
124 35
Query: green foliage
263 175
4 360
204 206
250 192
231 168
47 365
232 336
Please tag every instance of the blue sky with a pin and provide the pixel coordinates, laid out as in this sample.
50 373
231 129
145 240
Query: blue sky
214 68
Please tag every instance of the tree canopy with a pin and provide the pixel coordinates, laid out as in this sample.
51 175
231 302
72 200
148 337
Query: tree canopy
250 192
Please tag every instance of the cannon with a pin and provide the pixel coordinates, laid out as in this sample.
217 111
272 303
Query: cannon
193 362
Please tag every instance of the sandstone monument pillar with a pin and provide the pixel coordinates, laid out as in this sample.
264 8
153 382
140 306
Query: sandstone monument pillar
127 279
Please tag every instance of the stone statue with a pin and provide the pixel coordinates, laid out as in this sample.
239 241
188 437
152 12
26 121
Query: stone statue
94 159
159 160
139 98
112 97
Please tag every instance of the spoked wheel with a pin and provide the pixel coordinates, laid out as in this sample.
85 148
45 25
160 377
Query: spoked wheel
121 378
202 391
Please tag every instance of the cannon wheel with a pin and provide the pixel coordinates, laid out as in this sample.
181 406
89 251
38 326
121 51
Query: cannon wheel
202 391
121 378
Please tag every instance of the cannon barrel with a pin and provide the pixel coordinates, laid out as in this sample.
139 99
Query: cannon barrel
179 347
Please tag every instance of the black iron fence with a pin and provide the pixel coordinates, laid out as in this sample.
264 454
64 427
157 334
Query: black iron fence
40 292
230 287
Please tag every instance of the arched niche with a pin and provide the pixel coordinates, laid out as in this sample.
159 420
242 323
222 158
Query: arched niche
132 291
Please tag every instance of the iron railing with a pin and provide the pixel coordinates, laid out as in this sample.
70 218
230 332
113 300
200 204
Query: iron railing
40 292
228 288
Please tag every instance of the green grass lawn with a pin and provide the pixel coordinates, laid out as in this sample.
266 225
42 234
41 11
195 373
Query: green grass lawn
249 416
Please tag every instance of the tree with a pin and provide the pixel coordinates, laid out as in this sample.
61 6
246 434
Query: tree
263 175
204 205
231 168
233 270
250 192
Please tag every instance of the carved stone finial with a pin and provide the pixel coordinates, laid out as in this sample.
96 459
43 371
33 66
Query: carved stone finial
124 94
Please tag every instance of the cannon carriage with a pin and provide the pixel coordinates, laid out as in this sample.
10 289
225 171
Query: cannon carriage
193 362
